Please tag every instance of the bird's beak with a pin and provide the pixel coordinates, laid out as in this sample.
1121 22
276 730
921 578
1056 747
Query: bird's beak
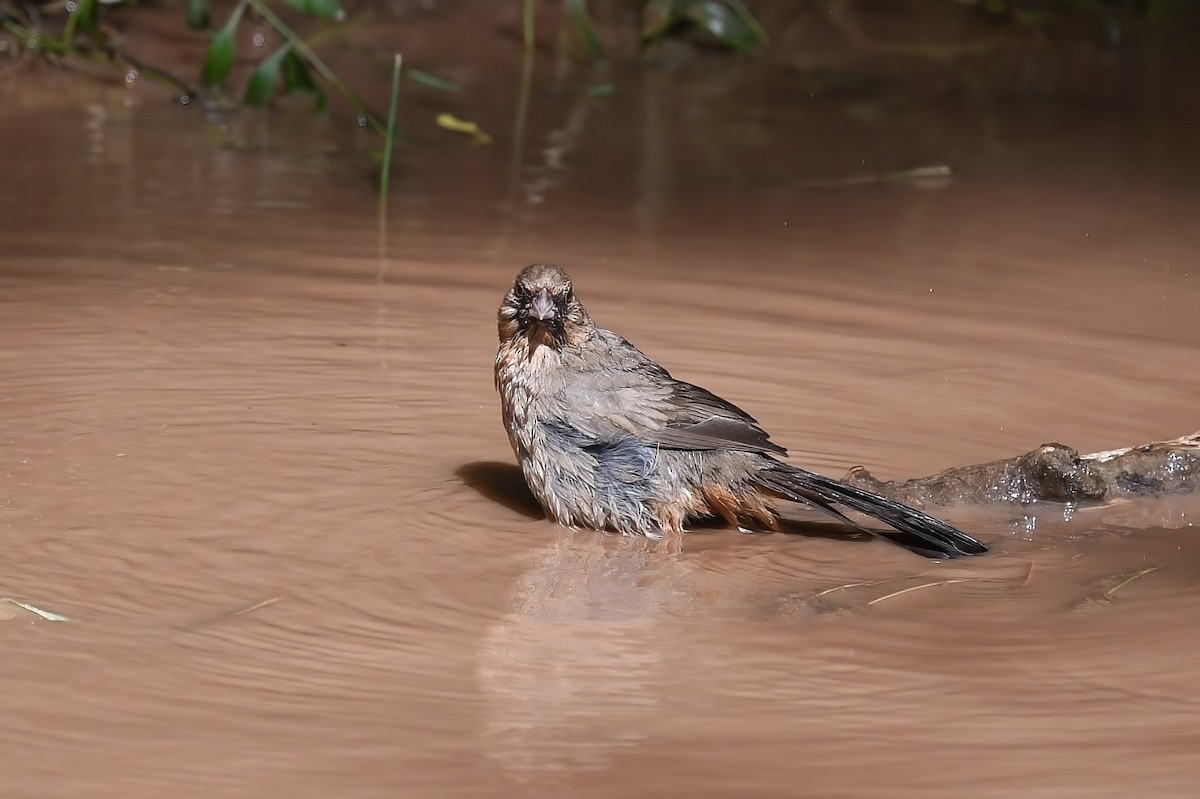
541 308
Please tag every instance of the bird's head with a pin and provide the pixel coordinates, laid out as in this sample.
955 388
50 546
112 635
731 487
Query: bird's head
541 306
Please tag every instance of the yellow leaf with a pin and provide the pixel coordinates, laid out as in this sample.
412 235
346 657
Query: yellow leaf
451 122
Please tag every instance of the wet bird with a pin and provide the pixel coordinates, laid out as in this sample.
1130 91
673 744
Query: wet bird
608 440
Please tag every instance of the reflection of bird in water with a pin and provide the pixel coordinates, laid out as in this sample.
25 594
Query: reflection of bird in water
574 668
607 439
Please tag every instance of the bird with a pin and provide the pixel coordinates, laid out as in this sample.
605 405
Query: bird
608 440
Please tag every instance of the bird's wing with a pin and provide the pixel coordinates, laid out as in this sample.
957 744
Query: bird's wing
697 419
634 397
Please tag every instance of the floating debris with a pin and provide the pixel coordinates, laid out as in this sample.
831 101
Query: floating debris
451 122
257 606
1129 579
912 588
48 615
867 584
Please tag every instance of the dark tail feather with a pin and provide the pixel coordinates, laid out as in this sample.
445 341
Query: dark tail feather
914 530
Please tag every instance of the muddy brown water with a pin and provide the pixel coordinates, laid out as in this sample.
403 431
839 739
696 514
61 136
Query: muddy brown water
257 460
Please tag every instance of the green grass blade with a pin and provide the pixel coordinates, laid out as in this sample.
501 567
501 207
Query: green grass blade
218 61
260 90
390 138
433 81
518 136
583 22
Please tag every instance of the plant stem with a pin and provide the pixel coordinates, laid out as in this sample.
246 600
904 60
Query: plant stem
522 99
528 25
389 138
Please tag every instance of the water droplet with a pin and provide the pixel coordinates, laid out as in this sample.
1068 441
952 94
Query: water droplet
185 99
72 7
131 76
362 121
259 39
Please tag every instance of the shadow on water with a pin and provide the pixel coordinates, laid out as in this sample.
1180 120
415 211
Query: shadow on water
503 484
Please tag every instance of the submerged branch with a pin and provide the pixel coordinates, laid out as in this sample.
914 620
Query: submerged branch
1054 473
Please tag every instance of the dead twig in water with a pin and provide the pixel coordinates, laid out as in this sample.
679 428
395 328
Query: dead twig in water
867 584
255 607
235 614
1109 593
877 600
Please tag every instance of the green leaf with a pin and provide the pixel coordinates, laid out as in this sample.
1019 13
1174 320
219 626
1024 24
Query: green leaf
199 14
583 22
433 81
260 91
297 77
723 23
218 61
318 8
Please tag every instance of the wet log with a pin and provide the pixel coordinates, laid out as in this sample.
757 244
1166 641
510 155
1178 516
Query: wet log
1053 473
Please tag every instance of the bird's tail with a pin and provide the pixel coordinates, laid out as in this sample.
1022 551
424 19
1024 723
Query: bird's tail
911 528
